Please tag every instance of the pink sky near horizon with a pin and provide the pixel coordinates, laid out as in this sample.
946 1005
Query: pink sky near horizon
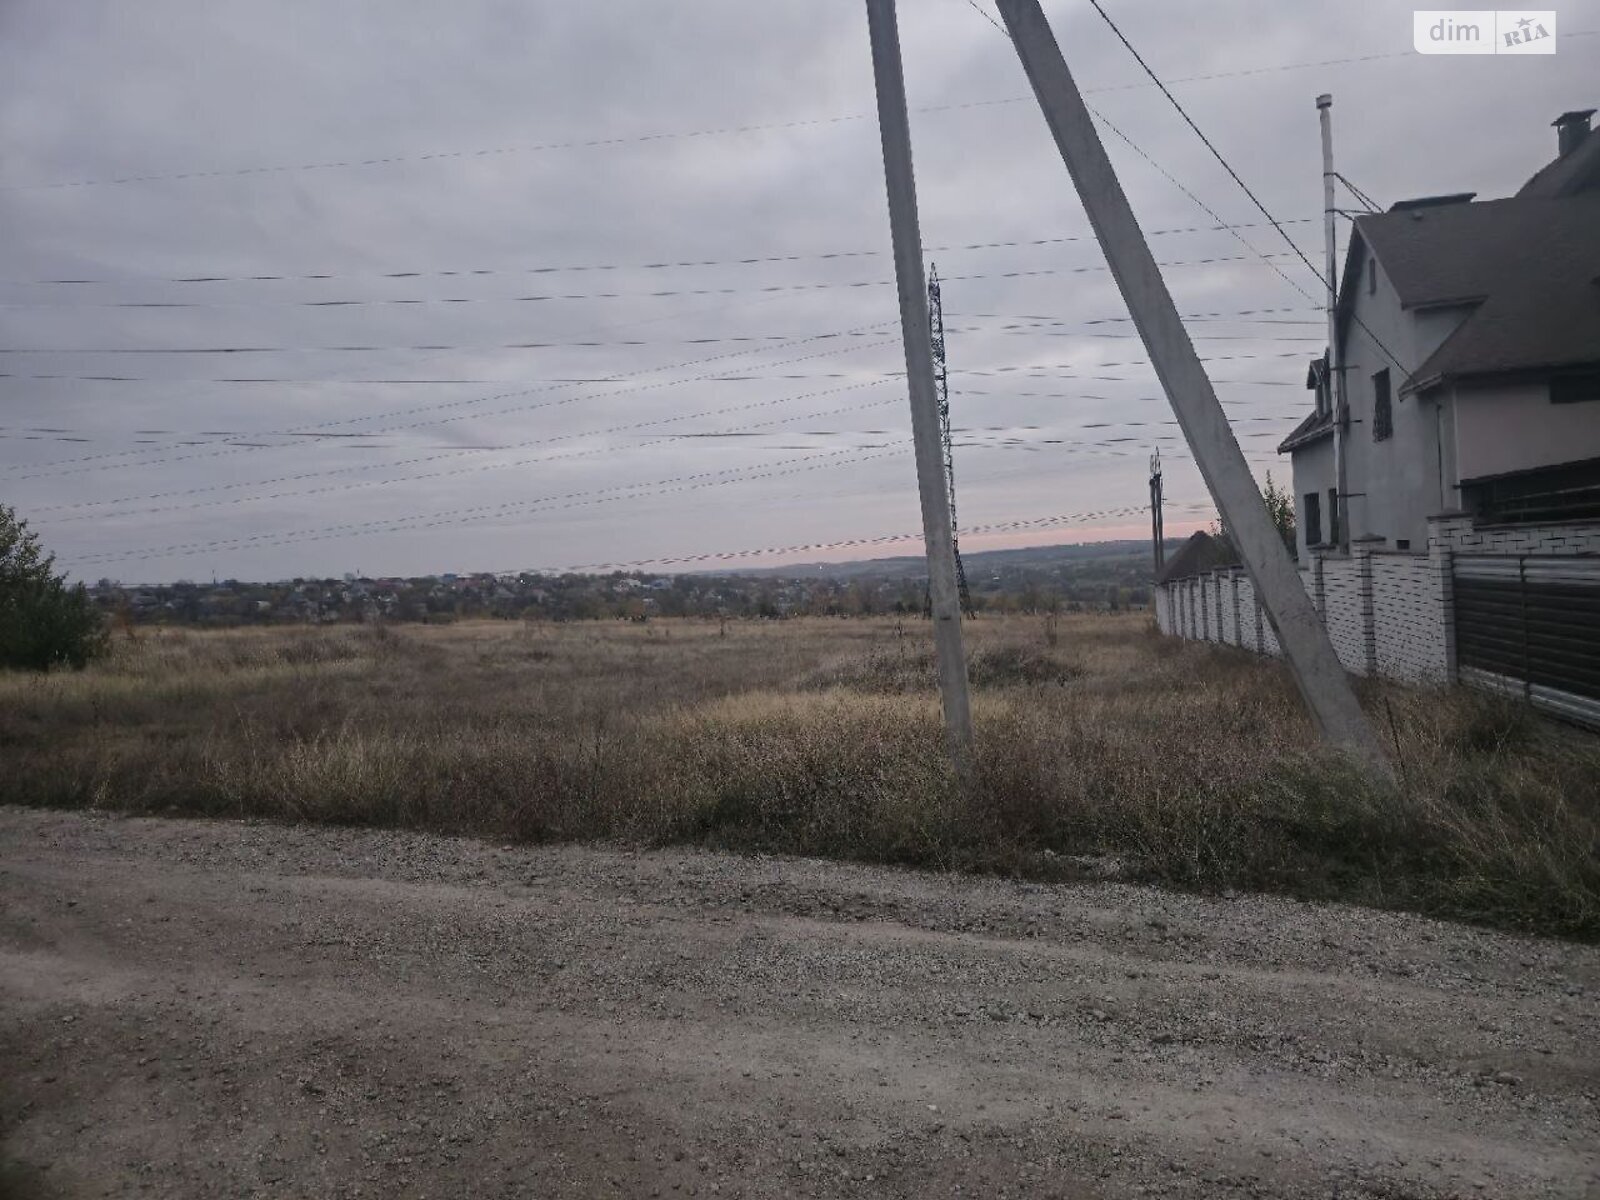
1065 535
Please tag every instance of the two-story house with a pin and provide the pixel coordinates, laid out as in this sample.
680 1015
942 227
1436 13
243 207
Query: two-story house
1469 350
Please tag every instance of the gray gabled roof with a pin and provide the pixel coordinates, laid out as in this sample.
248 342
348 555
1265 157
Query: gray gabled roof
1529 266
1317 425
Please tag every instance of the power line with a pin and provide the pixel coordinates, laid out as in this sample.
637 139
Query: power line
819 256
256 379
1209 145
742 378
1172 179
447 405
499 466
691 482
1372 205
631 139
1035 320
702 341
421 347
1013 526
1217 315
1242 240
757 429
684 483
1228 167
666 293
75 467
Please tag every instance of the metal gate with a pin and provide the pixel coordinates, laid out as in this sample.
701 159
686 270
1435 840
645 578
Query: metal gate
1529 626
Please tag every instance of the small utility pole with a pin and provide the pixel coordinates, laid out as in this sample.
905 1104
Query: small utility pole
932 483
1335 384
1310 654
1158 532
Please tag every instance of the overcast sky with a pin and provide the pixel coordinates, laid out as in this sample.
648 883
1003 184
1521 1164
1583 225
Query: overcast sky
619 136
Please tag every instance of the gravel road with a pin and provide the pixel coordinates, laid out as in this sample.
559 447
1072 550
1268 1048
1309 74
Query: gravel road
212 1009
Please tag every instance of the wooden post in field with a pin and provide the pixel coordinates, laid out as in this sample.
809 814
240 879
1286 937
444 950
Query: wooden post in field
932 482
1310 654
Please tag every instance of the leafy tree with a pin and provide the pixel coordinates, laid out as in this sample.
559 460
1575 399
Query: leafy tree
1280 504
43 622
1280 507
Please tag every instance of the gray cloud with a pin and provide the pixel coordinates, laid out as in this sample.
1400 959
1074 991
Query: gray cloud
99 91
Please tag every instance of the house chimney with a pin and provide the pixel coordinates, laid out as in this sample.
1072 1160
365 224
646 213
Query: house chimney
1571 129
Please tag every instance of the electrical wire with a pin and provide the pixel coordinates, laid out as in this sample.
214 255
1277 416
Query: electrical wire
631 139
1228 167
666 293
1371 204
692 482
1013 526
820 256
416 521
76 509
444 406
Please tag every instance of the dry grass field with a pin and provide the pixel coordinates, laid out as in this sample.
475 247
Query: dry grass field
1105 750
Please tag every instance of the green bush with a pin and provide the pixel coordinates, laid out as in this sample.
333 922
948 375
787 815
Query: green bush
43 622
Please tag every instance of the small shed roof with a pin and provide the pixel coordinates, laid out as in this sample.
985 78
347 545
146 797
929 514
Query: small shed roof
1201 552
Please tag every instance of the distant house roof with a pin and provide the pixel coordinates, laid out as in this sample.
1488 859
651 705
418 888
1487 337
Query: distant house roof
1201 552
1316 425
1529 267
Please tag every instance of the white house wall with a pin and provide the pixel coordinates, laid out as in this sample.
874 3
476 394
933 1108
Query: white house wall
1515 428
1396 484
1313 472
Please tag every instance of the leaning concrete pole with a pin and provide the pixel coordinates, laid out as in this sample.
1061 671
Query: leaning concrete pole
914 331
1311 656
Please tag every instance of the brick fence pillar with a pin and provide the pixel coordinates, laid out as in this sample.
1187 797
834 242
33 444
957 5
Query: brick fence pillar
1362 548
1233 606
1444 532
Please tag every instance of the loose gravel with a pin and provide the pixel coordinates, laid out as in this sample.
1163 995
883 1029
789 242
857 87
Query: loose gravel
215 1009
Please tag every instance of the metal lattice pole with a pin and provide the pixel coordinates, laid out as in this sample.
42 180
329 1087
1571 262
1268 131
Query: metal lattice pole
941 379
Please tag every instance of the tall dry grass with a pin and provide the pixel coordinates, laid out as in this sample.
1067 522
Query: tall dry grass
1102 747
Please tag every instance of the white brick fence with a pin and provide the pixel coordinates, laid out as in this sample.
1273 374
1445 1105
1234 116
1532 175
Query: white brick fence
1387 612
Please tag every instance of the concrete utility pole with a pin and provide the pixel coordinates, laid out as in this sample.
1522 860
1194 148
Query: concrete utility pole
1330 238
937 534
1311 656
1158 531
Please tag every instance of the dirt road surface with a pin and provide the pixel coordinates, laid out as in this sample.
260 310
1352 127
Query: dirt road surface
213 1009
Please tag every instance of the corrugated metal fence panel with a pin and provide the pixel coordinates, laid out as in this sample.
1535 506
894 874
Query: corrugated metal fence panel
1532 624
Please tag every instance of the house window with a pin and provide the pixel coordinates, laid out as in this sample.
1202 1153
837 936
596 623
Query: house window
1372 276
1313 519
1576 388
1382 414
1567 492
1333 516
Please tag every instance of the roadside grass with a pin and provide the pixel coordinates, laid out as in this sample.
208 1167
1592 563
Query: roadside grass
1102 748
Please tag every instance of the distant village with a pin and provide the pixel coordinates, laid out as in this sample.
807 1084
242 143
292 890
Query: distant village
1095 584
